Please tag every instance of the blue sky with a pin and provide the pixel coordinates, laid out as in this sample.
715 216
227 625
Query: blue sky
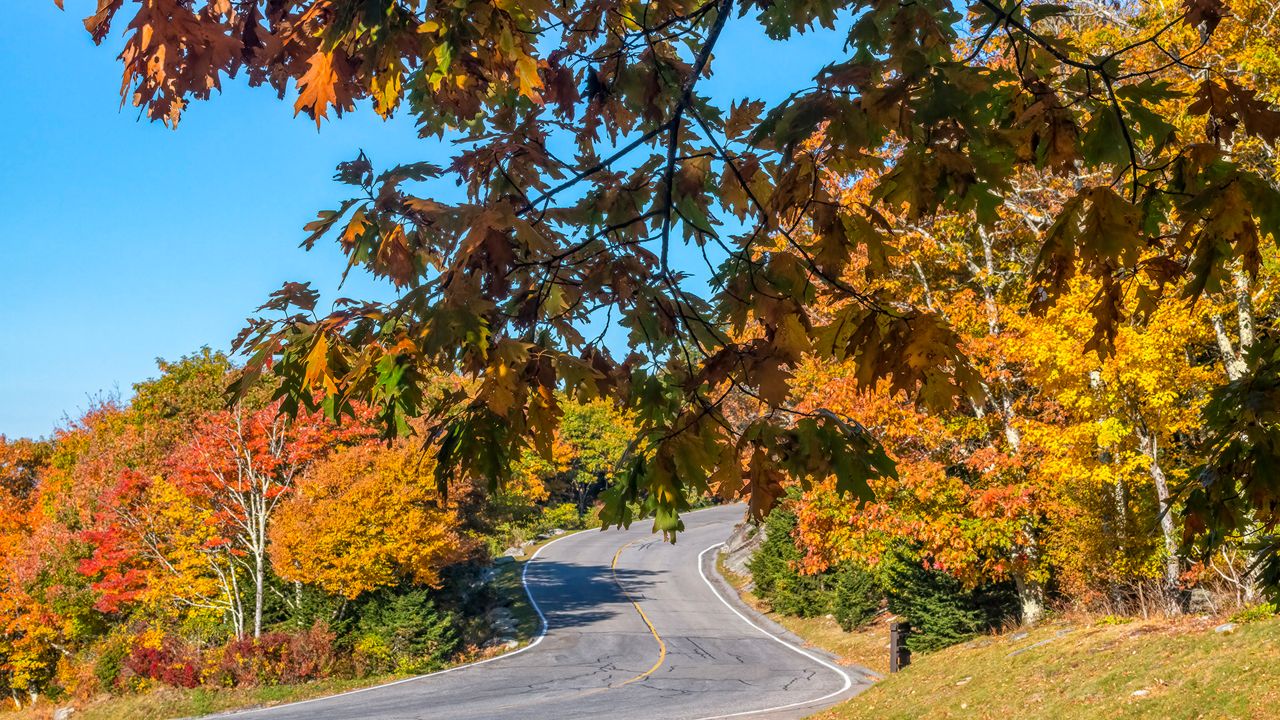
124 241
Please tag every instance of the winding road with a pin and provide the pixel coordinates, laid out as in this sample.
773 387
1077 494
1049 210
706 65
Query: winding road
635 629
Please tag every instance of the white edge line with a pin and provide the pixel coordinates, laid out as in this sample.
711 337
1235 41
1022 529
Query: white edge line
848 681
542 633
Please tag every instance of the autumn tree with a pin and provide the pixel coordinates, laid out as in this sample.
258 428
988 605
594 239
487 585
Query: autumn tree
152 550
46 605
21 461
963 494
364 518
28 636
168 406
587 450
1120 446
158 556
243 463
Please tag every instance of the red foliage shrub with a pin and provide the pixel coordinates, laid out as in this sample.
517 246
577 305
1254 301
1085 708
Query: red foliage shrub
311 654
250 661
172 663
275 658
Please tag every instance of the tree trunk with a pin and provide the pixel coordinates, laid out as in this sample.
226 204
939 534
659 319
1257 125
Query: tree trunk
1030 598
1233 353
238 594
1247 326
582 489
1011 433
1173 565
1232 362
1173 570
258 572
1122 509
1244 309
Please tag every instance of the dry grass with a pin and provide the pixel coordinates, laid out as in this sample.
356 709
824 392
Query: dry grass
1164 669
165 702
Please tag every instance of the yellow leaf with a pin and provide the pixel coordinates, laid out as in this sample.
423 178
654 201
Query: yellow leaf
318 361
530 81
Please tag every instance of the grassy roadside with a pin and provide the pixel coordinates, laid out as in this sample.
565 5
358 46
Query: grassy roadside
166 702
1138 669
162 703
1070 668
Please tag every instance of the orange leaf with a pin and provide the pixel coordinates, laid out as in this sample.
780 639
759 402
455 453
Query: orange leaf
325 84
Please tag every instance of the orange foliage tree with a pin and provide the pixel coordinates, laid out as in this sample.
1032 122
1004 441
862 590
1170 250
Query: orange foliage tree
242 463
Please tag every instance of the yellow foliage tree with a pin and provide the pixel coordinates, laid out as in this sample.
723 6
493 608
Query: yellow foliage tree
1112 449
367 517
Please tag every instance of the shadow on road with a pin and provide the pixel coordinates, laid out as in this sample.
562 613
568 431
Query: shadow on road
575 594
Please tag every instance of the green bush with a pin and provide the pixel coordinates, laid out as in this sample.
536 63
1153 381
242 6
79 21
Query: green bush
801 596
855 596
775 571
371 656
110 661
1255 613
402 630
941 611
531 522
563 517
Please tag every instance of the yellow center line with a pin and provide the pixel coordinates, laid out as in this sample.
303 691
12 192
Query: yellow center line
662 646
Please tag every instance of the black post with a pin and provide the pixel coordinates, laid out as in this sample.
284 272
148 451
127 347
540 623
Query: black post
899 653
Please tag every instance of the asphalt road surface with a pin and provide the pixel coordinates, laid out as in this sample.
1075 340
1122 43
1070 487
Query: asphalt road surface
647 638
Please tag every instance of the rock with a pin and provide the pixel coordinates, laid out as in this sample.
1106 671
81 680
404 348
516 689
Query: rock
964 681
513 552
1225 628
1141 693
1200 602
504 560
503 622
1019 636
1035 645
740 546
63 713
506 642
